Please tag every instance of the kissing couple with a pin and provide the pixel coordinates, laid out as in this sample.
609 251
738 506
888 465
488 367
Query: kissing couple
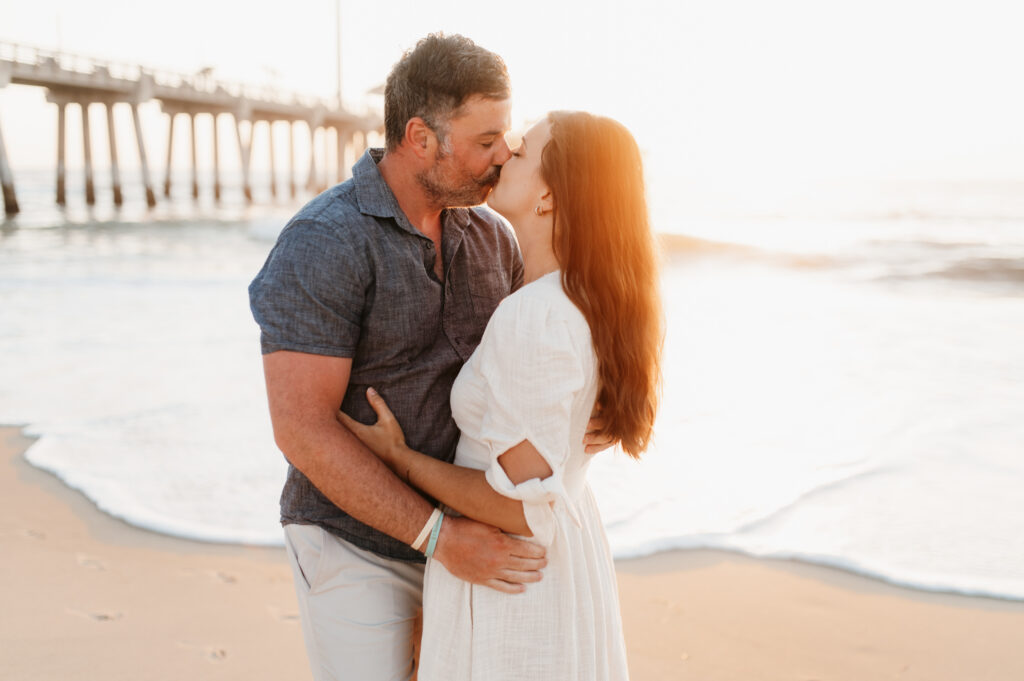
439 384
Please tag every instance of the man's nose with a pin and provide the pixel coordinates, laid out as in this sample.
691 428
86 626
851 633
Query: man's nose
503 153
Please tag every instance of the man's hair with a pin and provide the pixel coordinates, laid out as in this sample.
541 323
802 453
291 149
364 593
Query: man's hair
434 79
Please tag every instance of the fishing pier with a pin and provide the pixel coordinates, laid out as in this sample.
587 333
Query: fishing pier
91 83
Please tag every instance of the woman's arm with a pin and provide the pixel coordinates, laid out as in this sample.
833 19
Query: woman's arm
464 489
468 492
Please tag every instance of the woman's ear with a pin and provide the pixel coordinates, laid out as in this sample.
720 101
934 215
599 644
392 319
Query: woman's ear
547 202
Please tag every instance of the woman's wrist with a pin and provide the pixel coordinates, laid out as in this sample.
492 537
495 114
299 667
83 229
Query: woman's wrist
397 458
406 460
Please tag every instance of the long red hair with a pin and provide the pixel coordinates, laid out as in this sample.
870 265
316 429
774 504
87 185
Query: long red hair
604 246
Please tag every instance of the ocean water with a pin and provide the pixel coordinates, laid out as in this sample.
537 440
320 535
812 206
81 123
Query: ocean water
843 390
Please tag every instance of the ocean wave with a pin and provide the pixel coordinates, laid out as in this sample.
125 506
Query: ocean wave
940 216
924 244
155 406
963 586
885 260
982 269
118 504
863 473
682 245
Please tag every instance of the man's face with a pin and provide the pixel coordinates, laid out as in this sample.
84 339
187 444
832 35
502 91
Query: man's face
466 164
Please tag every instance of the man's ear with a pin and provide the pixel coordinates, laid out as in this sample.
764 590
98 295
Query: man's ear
420 138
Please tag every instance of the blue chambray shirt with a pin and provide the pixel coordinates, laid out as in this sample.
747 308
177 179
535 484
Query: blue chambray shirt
350 276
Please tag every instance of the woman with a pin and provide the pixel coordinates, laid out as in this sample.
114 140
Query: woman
584 329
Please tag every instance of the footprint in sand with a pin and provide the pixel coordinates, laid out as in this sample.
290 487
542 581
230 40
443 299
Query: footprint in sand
276 613
33 534
224 577
90 562
97 616
105 616
211 653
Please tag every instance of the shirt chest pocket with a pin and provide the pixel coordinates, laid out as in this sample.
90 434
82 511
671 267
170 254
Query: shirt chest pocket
472 299
486 289
402 322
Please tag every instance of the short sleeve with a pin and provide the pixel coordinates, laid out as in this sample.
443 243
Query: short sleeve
532 374
310 294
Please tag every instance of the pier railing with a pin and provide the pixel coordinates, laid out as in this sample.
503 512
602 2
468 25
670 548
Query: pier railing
83 80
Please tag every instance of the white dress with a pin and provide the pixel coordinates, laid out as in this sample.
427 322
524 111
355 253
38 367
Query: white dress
533 377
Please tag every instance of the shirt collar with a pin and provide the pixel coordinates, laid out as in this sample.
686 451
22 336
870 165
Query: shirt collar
376 198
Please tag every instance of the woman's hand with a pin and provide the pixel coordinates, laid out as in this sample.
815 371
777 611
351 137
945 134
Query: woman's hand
384 438
593 440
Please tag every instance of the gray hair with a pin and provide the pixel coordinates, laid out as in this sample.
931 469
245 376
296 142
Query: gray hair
434 79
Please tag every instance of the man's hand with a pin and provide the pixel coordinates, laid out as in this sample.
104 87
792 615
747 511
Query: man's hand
483 554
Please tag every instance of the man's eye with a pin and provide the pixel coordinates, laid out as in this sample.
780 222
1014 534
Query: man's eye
487 145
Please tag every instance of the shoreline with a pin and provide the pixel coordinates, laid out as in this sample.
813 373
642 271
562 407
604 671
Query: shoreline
828 572
87 590
80 500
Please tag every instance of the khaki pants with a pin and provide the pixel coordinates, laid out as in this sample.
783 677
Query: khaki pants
360 613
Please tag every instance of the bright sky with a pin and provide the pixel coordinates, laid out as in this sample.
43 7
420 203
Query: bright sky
728 96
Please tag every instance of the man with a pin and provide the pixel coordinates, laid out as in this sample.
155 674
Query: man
388 280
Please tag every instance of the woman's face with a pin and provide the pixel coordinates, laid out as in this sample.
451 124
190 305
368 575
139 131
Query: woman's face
520 188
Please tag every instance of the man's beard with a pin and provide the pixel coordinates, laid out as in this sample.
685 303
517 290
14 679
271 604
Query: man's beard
464 191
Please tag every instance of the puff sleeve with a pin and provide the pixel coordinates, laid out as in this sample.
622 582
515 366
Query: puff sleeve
532 373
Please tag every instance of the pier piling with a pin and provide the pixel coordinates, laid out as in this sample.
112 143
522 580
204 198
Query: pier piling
78 80
195 158
291 158
150 196
273 167
359 146
7 181
327 155
170 153
90 188
61 165
115 174
342 166
216 160
322 180
245 151
311 180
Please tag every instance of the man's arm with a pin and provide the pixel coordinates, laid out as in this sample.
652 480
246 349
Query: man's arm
304 391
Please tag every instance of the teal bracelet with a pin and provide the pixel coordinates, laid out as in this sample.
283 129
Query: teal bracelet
432 543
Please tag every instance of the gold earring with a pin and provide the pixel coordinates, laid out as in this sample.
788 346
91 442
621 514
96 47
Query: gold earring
536 209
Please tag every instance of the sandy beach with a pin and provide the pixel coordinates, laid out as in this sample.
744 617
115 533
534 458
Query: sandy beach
87 596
